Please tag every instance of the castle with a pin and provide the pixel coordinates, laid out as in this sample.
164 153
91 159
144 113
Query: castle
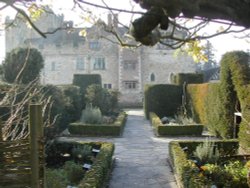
67 53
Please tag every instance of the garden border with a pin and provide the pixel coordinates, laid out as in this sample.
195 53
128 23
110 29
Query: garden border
114 129
174 130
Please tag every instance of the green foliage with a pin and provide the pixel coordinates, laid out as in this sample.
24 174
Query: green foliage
188 78
28 62
82 152
100 169
197 93
164 100
56 178
85 80
99 173
189 175
213 112
106 100
91 115
233 174
72 105
235 74
207 152
174 130
244 136
114 129
74 172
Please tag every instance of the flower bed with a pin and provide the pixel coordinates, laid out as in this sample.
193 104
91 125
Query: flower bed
174 130
225 173
67 168
114 129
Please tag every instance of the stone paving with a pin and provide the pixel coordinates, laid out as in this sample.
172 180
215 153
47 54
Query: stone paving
140 157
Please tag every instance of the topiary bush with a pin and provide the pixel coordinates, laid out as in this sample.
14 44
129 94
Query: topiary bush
235 75
163 99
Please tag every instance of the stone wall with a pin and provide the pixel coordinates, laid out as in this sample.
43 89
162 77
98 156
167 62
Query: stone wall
126 70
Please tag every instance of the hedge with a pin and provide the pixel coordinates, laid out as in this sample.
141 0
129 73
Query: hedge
163 99
85 80
188 78
98 175
185 170
174 130
100 170
114 129
196 103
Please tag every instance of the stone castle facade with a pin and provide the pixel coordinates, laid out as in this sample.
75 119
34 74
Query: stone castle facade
125 69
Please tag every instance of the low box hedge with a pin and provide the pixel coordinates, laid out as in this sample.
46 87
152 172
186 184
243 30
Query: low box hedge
100 170
98 175
114 129
185 170
174 130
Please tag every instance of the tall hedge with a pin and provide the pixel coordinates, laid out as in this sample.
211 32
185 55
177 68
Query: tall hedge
235 74
188 78
213 111
84 80
197 105
244 133
163 99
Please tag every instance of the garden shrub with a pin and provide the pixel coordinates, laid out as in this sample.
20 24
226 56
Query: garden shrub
74 172
91 115
56 178
106 100
188 78
188 174
85 80
72 105
207 152
197 93
163 99
174 130
114 129
97 176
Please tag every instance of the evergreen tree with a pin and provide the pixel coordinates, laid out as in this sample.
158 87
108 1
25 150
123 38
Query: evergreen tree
22 65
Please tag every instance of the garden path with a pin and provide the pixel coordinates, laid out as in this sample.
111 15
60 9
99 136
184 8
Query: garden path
140 157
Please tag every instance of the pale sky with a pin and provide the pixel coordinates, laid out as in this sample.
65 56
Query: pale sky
221 44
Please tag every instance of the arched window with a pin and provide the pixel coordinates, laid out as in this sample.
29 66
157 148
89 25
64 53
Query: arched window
152 77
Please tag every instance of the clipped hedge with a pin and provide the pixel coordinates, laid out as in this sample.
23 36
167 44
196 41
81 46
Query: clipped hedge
186 172
114 129
197 105
188 78
100 170
85 80
163 99
244 132
98 175
174 130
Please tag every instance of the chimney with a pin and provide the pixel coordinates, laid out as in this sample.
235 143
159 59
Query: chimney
115 21
109 20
